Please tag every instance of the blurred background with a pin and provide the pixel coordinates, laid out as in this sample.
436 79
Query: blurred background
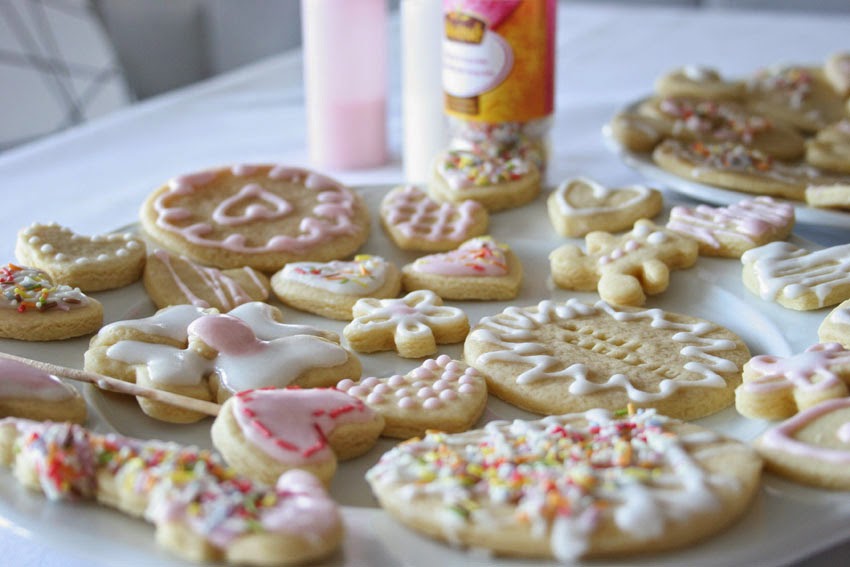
63 62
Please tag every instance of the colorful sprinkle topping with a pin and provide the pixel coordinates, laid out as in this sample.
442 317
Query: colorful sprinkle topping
720 121
26 289
462 168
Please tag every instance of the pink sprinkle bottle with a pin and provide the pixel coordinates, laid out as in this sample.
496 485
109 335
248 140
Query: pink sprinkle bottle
345 81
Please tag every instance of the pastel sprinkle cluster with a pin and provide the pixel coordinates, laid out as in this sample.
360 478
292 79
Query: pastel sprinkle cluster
463 168
796 82
28 288
718 120
732 156
362 273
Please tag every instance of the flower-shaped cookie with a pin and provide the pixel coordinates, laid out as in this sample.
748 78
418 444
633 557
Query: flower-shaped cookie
776 388
413 325
441 393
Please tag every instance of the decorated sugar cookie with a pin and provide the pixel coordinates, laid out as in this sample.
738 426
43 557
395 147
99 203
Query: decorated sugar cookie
730 231
260 216
34 394
440 394
555 358
830 148
799 96
776 388
264 433
173 280
836 325
623 269
330 289
211 356
581 205
637 132
412 325
35 308
835 196
797 278
415 221
570 486
202 509
836 69
91 263
813 447
481 268
698 81
497 182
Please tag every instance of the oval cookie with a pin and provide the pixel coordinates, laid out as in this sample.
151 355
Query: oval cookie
563 357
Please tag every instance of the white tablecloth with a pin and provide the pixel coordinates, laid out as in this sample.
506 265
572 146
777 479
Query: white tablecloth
94 178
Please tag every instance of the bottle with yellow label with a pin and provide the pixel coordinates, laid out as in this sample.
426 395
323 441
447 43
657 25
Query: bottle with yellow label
499 75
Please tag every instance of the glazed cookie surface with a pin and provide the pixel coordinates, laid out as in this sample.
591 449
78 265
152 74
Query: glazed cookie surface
415 221
34 308
624 269
30 393
836 326
481 268
797 278
494 181
261 216
554 358
730 231
331 289
582 205
91 263
175 280
569 487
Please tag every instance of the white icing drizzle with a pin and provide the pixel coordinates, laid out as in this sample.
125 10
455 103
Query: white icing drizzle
513 332
361 277
638 194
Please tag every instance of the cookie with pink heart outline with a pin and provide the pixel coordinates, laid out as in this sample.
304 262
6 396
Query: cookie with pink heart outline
440 394
91 263
776 387
264 433
481 268
262 216
37 309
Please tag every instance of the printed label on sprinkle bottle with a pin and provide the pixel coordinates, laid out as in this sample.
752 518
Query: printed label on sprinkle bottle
498 59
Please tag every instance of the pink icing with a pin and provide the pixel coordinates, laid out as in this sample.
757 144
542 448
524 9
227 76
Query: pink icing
781 436
415 215
19 380
478 257
307 510
800 370
253 211
750 220
292 425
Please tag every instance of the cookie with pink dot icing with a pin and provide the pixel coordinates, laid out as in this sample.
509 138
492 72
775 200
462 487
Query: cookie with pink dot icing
777 388
175 280
264 433
202 510
412 325
415 221
31 393
497 182
91 263
440 394
730 231
331 289
624 269
262 216
481 268
836 326
812 447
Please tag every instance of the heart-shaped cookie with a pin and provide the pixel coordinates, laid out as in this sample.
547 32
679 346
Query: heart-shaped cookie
263 433
581 205
481 268
442 394
176 280
91 263
36 309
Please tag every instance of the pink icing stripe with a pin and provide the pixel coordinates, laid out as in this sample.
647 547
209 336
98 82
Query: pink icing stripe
18 380
748 220
800 370
479 257
292 425
780 437
253 211
220 284
415 215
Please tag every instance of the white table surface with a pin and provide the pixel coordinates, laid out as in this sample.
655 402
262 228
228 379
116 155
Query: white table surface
93 178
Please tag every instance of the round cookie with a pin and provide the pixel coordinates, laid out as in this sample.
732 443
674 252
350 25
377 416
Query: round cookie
813 447
836 326
261 216
698 81
264 433
556 358
331 289
34 308
733 166
31 393
414 221
494 181
481 268
91 263
568 487
582 205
